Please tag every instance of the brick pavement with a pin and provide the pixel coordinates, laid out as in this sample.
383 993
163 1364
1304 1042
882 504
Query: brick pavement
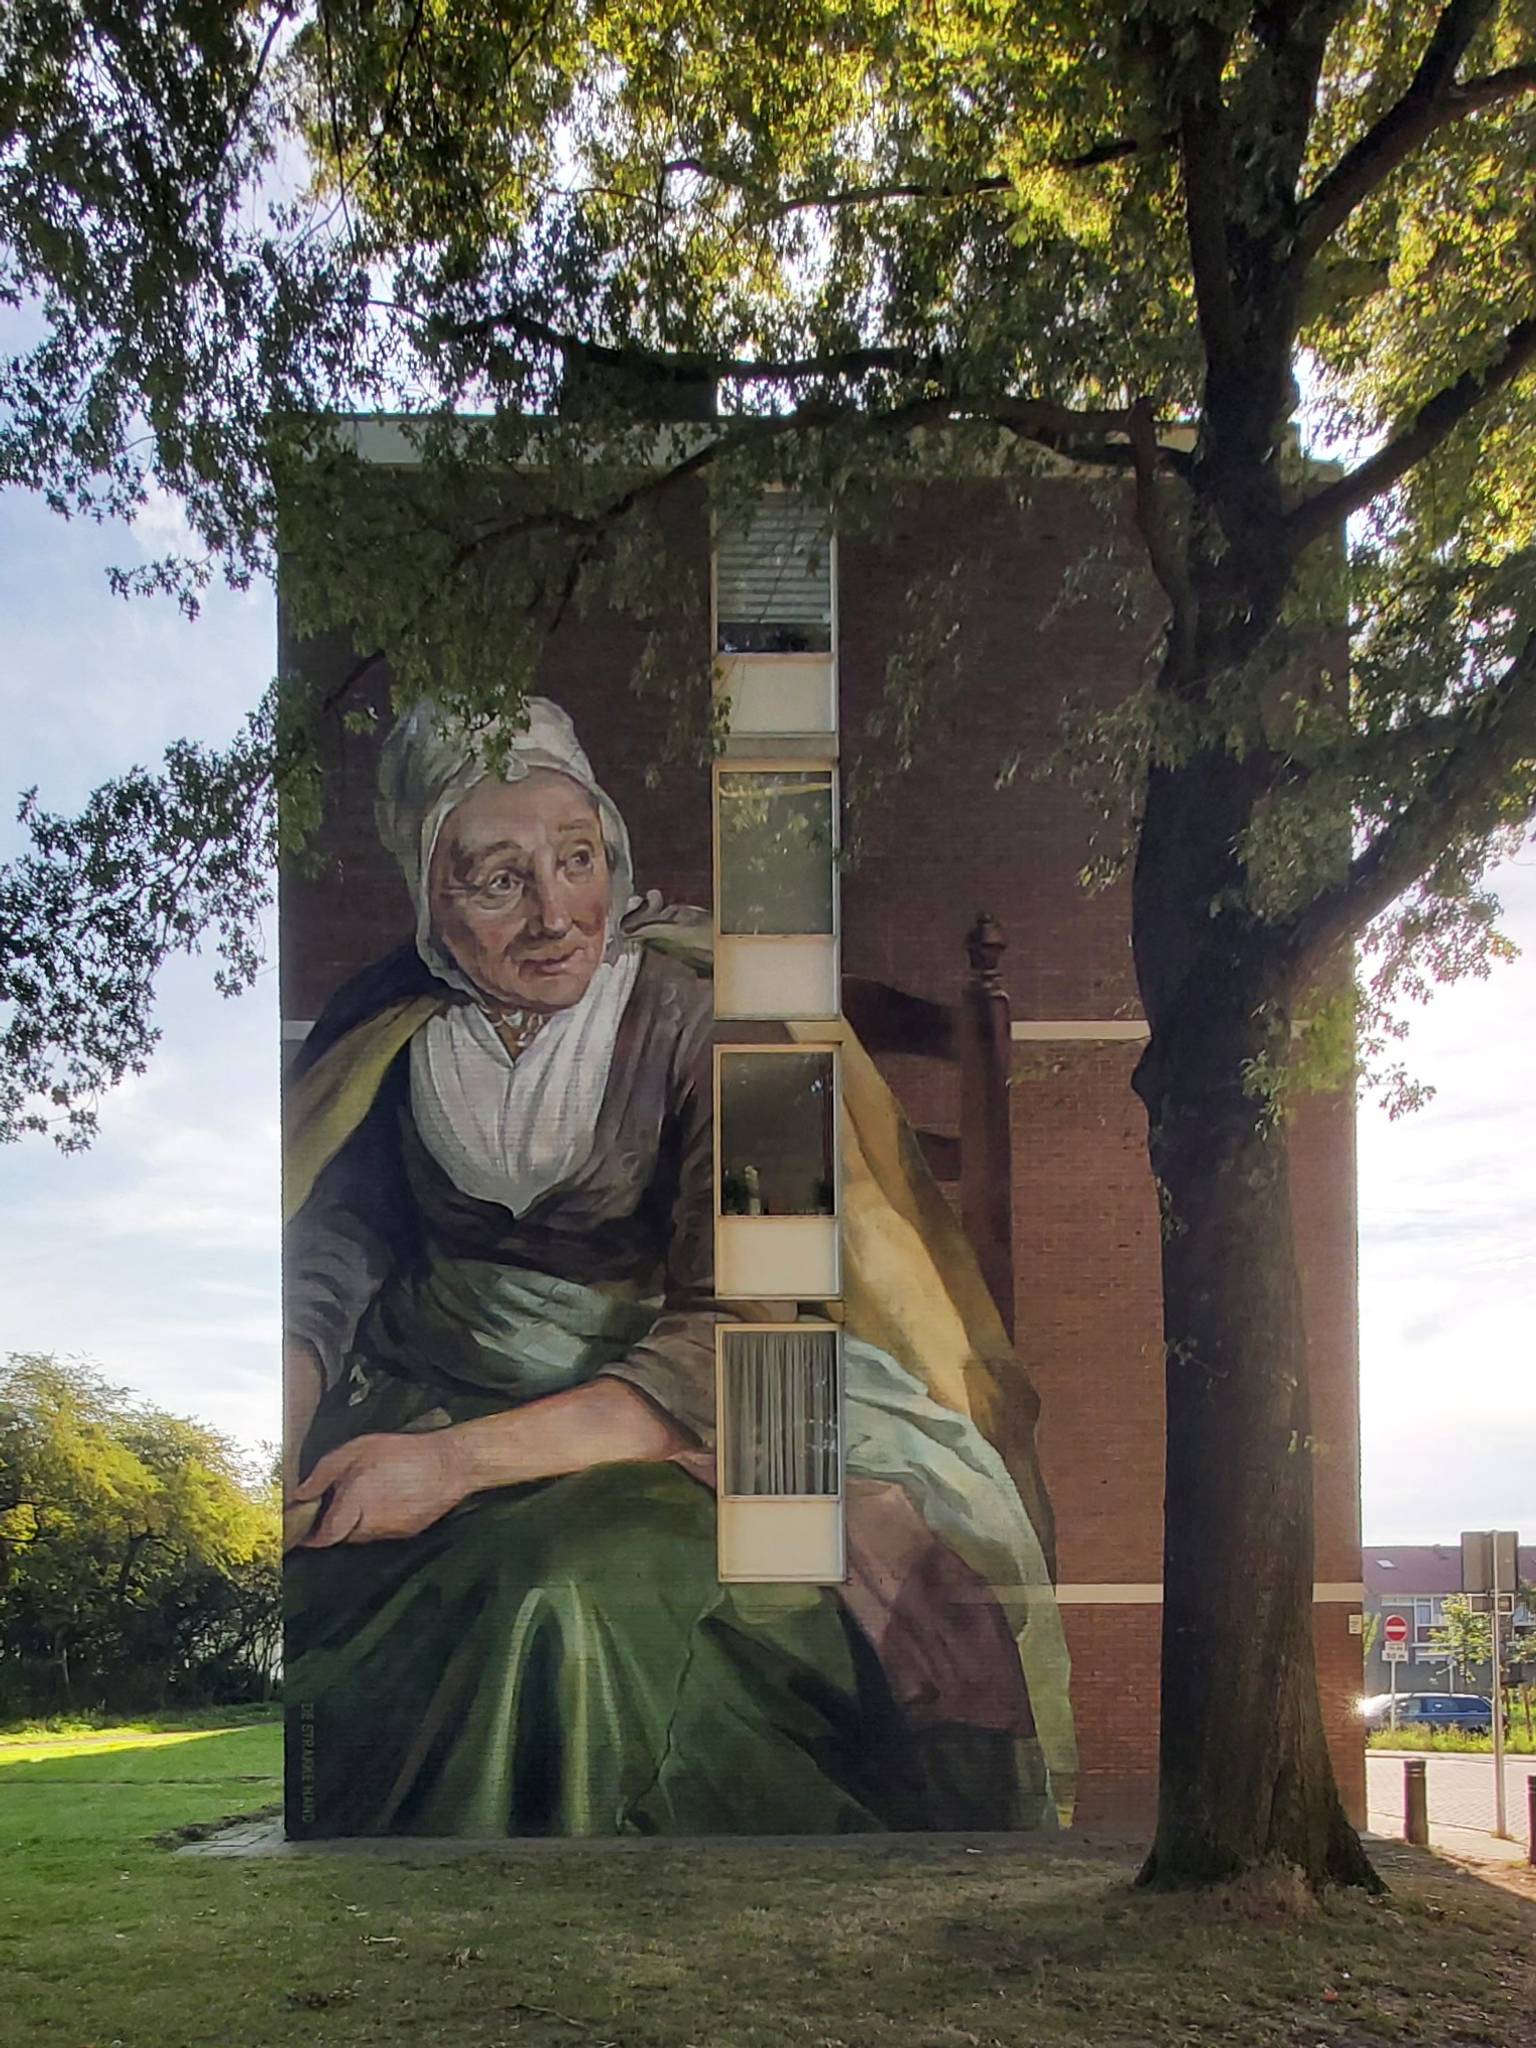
1460 1790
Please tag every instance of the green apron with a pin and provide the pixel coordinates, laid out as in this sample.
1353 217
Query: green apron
562 1658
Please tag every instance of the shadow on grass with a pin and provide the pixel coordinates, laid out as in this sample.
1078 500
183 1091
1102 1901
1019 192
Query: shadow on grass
984 1942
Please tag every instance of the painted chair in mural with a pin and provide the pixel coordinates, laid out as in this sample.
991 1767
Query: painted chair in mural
975 1035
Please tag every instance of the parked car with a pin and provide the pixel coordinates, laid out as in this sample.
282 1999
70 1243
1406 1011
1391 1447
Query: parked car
1468 1711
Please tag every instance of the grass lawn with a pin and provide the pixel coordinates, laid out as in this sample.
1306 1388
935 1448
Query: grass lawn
107 1940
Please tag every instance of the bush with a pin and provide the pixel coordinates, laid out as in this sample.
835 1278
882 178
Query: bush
1414 1735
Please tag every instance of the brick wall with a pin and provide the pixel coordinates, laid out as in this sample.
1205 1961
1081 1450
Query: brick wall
1115 1694
949 836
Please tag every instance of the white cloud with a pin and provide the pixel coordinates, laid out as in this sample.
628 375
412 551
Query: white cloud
156 1253
196 1185
1448 1261
160 524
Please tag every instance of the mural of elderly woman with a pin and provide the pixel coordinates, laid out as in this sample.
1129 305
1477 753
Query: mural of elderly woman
504 1613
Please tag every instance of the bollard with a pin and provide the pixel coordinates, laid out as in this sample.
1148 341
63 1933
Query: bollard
1530 1808
1415 1803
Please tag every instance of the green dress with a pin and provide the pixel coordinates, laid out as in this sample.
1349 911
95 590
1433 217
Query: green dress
562 1657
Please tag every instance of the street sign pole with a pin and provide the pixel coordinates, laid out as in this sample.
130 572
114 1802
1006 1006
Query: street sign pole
1500 1816
1489 1557
1394 1651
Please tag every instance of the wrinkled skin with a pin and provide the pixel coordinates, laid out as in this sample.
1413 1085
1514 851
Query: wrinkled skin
519 890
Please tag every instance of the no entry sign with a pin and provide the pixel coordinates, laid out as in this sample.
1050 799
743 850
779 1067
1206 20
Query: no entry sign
1394 1638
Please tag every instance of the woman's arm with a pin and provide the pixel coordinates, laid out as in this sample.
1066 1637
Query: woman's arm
341 1246
392 1485
657 1399
303 1382
673 1365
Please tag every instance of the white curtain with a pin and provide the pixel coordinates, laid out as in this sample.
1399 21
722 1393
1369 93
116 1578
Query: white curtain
781 1421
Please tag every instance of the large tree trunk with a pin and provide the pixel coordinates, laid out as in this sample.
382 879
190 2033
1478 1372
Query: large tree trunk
1245 1776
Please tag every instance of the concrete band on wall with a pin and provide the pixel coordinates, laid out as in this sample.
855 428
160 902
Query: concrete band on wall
1150 1594
1097 1030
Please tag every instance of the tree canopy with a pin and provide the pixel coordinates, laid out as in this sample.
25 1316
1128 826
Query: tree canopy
138 1551
825 244
1058 232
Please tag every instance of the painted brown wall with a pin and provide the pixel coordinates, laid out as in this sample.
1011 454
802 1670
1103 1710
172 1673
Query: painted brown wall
943 842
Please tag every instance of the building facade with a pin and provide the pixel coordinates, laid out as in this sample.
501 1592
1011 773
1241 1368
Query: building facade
1415 1580
881 1505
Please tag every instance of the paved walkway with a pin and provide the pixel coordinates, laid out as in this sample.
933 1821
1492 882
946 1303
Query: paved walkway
1461 1807
1461 1817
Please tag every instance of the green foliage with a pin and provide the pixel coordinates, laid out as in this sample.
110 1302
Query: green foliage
1369 1634
87 1723
1465 1635
890 240
1518 1741
138 1554
165 314
153 865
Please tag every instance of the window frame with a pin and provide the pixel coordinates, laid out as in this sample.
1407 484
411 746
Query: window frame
768 1508
719 527
724 1331
827 943
834 1223
729 665
780 765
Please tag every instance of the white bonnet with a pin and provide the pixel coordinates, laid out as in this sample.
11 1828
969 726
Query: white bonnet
430 763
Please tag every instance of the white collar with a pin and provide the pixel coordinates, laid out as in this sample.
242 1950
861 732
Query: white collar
508 1129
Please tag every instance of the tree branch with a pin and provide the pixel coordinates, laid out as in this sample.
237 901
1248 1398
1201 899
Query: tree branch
1041 419
1163 550
1081 435
1435 419
640 361
1081 432
1112 150
875 195
589 530
282 15
1432 99
1498 732
1203 152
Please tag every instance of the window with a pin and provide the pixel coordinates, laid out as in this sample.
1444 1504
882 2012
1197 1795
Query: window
779 1419
773 580
780 1461
776 855
775 620
776 1231
776 910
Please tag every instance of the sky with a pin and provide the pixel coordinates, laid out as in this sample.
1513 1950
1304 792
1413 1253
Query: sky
156 1254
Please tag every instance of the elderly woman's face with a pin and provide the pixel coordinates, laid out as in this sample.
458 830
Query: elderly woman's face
519 890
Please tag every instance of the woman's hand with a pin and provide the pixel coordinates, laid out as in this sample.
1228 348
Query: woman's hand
397 1485
382 1486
